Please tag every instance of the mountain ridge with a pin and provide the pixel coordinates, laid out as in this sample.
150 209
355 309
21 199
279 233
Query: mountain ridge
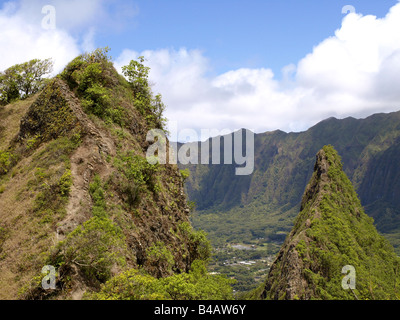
282 162
78 196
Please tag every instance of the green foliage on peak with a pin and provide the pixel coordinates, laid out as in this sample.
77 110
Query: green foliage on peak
149 105
104 93
332 231
93 77
333 157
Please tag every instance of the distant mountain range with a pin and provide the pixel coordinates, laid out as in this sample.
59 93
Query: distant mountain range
263 205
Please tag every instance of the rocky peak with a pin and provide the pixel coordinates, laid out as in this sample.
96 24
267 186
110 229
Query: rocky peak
330 232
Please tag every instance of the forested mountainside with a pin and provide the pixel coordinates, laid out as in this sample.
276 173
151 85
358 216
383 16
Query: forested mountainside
78 195
262 206
333 250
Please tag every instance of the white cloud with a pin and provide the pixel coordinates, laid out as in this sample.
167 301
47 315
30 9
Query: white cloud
354 73
72 15
22 40
22 36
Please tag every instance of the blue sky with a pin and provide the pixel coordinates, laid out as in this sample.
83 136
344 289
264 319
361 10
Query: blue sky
236 33
220 64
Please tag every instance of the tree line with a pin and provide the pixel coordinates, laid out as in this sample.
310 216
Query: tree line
22 80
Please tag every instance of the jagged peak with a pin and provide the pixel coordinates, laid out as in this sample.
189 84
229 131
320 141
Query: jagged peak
330 232
327 160
327 157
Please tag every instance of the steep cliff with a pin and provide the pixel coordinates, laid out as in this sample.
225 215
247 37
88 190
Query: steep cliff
332 232
76 190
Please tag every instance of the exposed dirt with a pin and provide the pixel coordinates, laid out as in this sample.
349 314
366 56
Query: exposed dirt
88 159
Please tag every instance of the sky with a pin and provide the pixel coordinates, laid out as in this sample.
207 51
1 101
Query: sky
224 65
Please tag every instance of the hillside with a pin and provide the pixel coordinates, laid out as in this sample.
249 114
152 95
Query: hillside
331 232
262 206
78 194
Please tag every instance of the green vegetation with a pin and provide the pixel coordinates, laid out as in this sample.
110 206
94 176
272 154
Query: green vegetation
159 258
22 80
65 183
200 245
92 77
185 174
194 285
136 169
263 206
49 117
151 107
93 247
96 190
104 93
330 232
5 161
56 151
52 197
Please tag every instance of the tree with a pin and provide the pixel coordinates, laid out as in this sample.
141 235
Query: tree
32 75
22 80
149 105
137 74
9 86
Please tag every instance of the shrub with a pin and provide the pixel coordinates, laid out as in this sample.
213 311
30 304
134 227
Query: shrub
198 285
130 285
97 193
93 247
137 169
65 183
200 246
185 174
5 161
160 258
195 285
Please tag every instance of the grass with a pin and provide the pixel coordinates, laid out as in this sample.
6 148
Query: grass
10 117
